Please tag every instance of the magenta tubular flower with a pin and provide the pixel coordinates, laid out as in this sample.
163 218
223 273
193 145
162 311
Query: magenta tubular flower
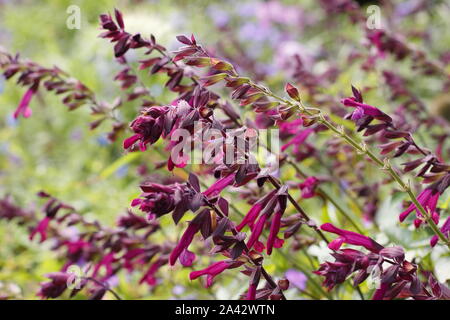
376 39
363 109
106 262
253 284
297 140
254 211
290 127
381 291
149 276
308 187
130 256
76 246
274 229
213 270
128 142
251 216
184 242
350 237
445 229
428 198
256 231
219 185
251 293
23 107
177 160
41 229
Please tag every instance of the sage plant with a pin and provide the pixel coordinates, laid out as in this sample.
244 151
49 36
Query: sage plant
207 111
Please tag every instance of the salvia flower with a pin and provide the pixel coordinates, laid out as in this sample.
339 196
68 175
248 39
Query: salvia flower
55 287
186 239
350 237
273 240
363 109
257 229
107 263
149 276
297 140
308 187
159 200
253 283
213 270
276 204
445 229
428 198
41 229
254 211
148 127
347 262
397 277
23 108
219 185
51 208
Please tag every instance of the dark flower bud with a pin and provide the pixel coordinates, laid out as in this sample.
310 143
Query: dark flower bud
292 91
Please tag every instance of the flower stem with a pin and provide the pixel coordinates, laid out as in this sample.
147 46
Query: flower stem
362 149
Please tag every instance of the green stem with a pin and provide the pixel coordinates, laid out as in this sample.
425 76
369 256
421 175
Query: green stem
362 149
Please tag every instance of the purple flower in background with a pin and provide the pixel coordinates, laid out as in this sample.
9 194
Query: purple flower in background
51 208
41 229
106 262
297 140
255 32
290 127
218 15
308 187
23 107
376 39
297 278
289 53
149 276
275 12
